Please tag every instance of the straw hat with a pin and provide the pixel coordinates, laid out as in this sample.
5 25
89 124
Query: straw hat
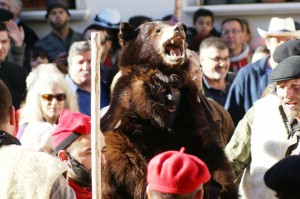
280 27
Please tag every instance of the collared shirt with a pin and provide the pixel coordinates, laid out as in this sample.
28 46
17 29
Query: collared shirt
216 94
84 97
61 189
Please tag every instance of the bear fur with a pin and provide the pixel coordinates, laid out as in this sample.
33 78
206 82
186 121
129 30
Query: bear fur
155 107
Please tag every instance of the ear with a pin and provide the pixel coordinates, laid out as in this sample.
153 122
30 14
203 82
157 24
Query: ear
62 155
182 26
12 118
127 32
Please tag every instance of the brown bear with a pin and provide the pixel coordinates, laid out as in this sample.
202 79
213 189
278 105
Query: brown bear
155 106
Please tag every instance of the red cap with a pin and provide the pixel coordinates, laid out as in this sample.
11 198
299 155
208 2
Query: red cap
175 172
70 126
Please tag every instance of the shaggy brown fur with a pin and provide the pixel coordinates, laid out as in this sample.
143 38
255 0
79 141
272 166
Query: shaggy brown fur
156 107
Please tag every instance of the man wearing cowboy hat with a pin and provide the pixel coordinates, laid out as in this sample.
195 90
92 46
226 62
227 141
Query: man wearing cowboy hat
253 78
269 131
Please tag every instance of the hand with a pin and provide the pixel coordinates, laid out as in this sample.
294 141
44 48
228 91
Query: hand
15 32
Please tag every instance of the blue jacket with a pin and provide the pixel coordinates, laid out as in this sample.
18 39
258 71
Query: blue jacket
246 88
84 98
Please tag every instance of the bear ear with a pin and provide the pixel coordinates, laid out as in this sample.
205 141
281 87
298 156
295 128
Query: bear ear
183 26
127 32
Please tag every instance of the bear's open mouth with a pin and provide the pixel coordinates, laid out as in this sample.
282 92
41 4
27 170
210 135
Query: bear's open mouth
174 48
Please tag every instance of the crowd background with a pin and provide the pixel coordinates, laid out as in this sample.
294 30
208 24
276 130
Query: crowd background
89 9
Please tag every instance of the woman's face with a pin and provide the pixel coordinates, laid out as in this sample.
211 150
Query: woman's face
52 102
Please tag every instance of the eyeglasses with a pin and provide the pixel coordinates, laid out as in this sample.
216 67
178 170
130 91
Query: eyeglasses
234 31
49 97
218 59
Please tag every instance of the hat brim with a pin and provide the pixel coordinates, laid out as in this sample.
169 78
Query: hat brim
265 34
104 25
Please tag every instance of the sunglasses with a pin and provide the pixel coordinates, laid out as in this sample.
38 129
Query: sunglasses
49 97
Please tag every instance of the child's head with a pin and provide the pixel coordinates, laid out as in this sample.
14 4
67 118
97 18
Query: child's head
203 21
38 56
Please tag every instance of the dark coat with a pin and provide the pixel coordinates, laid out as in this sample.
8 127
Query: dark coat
14 77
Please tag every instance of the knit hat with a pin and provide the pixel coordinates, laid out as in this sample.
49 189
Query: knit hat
70 126
284 176
56 4
175 172
108 18
287 69
287 49
5 15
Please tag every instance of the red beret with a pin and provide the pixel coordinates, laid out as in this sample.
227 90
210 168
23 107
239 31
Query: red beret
70 126
175 172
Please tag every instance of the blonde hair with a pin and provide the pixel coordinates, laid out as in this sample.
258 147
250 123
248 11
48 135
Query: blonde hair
31 110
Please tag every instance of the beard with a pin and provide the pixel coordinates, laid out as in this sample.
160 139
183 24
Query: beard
59 26
292 112
83 176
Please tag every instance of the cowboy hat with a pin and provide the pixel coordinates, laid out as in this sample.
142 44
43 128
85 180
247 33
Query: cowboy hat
108 18
280 27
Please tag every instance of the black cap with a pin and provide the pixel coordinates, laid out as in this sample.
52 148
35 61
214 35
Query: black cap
287 49
5 15
56 4
287 69
284 176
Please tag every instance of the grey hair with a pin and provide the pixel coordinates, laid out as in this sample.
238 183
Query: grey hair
78 47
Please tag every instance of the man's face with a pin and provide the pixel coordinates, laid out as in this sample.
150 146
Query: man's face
273 42
80 68
289 94
204 25
58 18
215 62
4 45
233 35
81 151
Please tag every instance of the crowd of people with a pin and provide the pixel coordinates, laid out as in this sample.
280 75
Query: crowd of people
45 104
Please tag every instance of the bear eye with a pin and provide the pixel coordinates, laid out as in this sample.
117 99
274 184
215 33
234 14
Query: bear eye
158 30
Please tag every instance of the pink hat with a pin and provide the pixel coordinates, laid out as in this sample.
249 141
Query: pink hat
176 172
70 126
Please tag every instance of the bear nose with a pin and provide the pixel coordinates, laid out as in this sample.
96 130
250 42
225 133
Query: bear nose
177 29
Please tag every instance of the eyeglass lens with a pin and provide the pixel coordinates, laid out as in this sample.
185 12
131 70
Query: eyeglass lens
50 97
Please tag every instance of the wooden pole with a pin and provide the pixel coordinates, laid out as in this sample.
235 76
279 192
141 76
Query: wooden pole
95 114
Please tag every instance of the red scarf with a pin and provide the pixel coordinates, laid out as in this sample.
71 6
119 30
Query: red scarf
81 193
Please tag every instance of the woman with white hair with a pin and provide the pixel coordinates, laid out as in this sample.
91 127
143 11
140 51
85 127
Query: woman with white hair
46 98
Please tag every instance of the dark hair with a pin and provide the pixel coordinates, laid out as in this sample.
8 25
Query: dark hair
167 18
5 102
39 52
233 19
35 52
136 21
97 27
3 27
203 12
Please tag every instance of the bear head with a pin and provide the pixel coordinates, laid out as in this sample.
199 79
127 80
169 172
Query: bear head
153 45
